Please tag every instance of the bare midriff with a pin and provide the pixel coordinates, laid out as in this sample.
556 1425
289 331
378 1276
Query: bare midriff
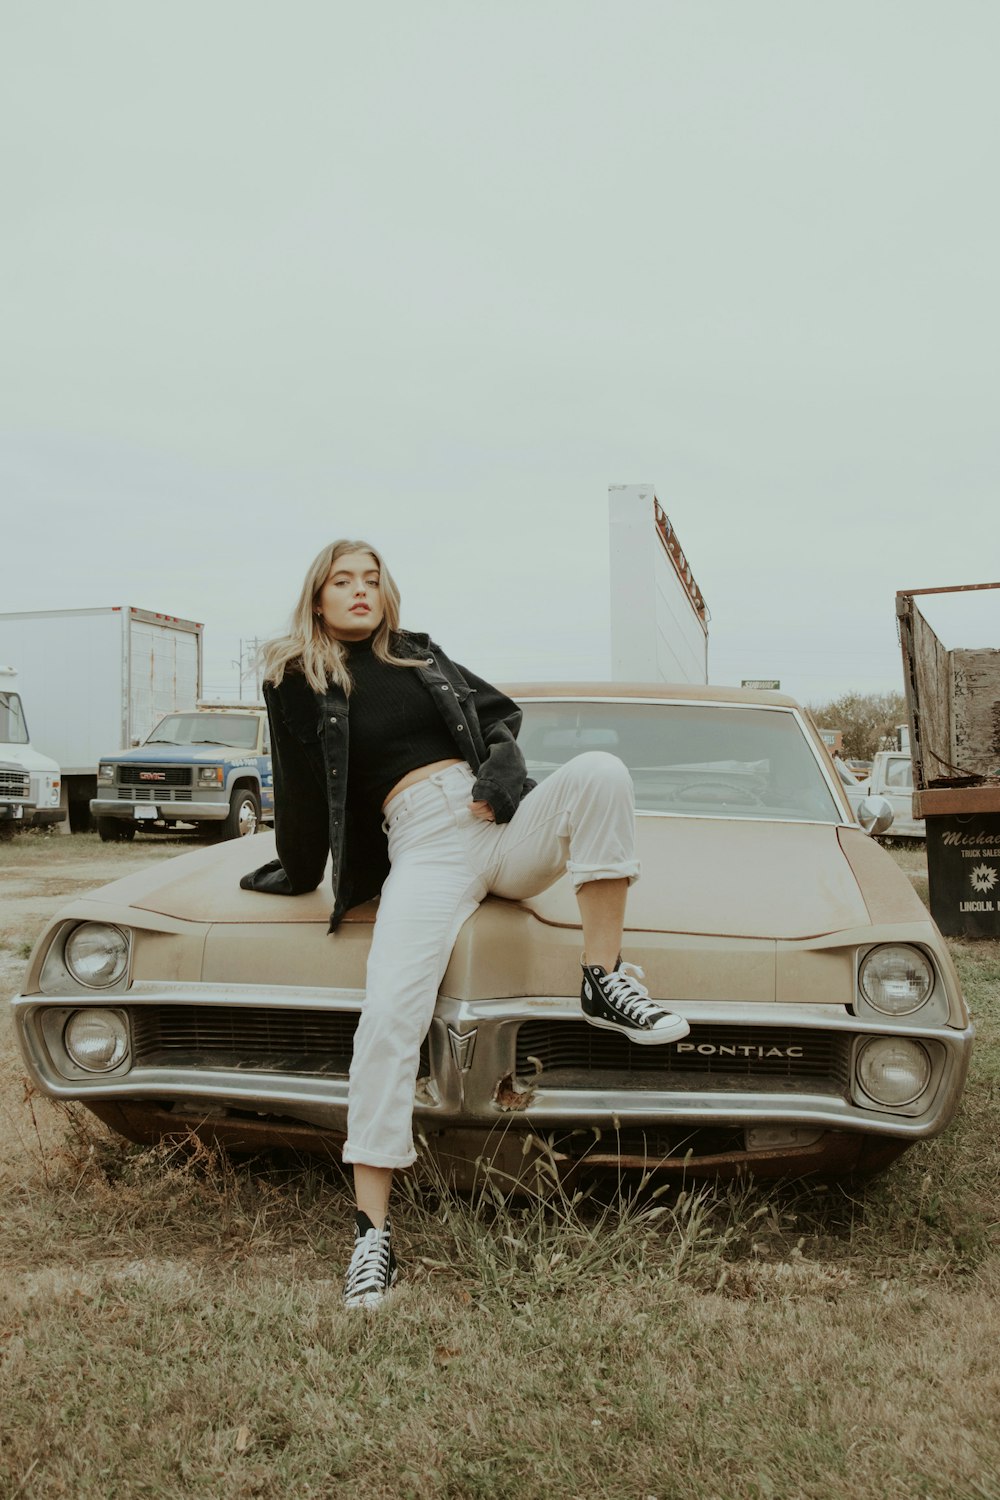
420 774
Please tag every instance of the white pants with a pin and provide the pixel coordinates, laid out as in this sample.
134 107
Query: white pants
444 860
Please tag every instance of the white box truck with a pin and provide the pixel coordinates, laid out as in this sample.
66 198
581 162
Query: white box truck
97 680
659 619
30 793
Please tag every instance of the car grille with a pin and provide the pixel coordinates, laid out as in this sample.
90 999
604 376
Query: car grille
154 794
15 783
135 775
573 1055
250 1039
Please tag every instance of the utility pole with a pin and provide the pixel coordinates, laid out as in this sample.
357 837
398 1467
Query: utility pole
251 650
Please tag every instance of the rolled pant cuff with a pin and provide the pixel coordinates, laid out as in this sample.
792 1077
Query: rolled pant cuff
626 869
359 1157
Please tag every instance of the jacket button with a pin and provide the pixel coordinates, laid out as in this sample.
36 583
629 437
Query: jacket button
333 718
332 774
460 728
444 687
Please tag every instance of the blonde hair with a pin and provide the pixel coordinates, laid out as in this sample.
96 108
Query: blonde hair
310 648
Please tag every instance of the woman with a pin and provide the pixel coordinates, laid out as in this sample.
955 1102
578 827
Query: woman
404 768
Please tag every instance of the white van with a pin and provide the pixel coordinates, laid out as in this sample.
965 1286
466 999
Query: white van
40 805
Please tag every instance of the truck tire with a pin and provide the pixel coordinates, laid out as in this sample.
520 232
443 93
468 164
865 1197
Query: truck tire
115 831
244 814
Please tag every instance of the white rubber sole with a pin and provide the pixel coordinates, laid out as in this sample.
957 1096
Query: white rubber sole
674 1033
369 1301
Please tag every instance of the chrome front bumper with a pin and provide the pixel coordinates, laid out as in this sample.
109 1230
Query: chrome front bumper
182 812
471 1079
16 812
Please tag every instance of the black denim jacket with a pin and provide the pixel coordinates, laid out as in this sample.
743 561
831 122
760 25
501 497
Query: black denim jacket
309 739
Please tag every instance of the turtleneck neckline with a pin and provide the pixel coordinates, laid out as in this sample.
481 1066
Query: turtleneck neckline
354 648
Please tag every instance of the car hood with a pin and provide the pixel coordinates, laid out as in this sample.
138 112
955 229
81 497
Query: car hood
153 754
27 758
732 877
724 877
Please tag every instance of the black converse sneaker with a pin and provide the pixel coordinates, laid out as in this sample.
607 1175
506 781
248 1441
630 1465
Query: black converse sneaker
373 1266
618 1002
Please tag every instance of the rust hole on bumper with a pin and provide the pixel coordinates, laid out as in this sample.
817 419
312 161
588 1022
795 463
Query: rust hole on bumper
508 1096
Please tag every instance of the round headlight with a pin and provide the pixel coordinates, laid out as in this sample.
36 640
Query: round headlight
893 1070
96 955
896 980
96 1039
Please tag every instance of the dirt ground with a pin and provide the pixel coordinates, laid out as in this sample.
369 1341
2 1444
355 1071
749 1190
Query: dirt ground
38 874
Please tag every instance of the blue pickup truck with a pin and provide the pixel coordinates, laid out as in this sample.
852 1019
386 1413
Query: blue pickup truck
210 766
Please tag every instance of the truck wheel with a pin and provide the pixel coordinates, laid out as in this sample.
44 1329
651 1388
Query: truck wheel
244 814
115 831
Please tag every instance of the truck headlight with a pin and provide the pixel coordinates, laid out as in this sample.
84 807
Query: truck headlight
96 1040
893 1070
896 979
105 774
209 775
96 955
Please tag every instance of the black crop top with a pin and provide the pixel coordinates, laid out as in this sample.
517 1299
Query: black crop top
394 726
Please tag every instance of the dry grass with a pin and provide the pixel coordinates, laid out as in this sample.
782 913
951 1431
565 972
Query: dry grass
170 1323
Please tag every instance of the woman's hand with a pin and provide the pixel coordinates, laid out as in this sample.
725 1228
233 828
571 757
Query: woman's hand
483 811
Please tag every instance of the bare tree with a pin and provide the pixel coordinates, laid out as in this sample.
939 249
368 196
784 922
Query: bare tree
863 717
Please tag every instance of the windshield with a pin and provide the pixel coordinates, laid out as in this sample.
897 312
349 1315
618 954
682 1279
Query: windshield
716 759
13 730
238 731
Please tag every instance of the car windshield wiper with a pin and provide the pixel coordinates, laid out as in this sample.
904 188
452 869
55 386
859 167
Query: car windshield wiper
162 742
225 744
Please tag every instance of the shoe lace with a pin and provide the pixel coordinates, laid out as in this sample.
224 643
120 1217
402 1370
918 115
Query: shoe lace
369 1267
628 995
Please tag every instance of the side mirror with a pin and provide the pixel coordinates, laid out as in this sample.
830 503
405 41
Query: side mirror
874 814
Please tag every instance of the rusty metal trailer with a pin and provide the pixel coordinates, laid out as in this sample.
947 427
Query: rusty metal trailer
953 703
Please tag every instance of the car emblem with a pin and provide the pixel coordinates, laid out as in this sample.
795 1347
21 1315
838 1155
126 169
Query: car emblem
739 1050
152 775
463 1045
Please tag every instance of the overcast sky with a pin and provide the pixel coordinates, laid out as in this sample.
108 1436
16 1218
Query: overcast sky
436 274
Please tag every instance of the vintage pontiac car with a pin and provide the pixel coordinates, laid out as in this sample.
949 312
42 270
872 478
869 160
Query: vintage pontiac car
828 1030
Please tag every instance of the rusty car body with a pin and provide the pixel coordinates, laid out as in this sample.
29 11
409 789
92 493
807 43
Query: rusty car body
828 1029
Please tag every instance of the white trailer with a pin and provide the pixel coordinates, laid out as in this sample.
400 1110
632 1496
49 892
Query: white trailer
659 619
98 680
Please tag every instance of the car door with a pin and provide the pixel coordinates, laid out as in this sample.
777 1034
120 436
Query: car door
898 789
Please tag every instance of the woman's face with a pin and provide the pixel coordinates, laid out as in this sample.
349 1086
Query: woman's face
350 601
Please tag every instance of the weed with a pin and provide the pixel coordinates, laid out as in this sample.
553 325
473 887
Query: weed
170 1321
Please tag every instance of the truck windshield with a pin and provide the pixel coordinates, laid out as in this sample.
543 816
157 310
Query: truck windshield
238 731
720 760
13 730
